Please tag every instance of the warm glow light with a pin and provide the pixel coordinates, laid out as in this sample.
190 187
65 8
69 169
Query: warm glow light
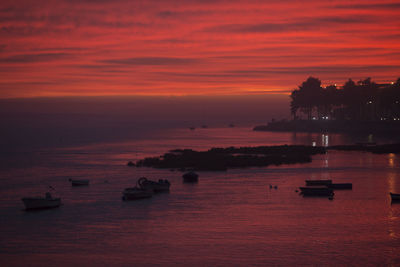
325 140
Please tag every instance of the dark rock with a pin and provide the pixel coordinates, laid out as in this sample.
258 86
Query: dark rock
221 159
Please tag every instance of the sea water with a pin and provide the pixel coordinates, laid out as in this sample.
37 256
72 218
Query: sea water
229 218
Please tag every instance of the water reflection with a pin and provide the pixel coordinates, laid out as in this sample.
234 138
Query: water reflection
332 139
391 180
314 143
318 139
325 140
391 158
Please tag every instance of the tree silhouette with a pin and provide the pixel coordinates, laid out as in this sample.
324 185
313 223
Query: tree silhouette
364 100
307 97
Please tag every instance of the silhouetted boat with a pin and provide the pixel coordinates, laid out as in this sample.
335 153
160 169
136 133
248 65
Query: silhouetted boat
192 128
160 186
395 197
318 182
340 185
41 202
75 182
316 191
133 193
190 177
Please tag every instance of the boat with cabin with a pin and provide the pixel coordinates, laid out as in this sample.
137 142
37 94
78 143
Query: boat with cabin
162 185
318 182
46 202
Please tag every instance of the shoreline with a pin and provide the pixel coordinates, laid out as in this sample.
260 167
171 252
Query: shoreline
332 126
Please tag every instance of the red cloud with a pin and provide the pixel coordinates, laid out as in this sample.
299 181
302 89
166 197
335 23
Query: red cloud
192 47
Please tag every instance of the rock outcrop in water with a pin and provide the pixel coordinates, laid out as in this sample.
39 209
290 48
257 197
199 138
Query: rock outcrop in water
221 159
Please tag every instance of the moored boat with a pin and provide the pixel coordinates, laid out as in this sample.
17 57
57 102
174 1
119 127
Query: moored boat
41 202
160 186
394 197
133 193
316 191
190 177
318 182
76 182
340 186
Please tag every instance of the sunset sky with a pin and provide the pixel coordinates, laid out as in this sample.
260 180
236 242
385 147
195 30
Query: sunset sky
167 47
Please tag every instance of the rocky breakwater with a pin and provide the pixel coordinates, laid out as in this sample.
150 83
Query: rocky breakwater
221 159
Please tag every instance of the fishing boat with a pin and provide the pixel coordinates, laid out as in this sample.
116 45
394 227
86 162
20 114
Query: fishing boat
318 182
395 197
133 193
340 186
76 182
190 177
160 186
316 191
41 202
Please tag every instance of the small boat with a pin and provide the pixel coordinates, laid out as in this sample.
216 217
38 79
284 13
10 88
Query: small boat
75 182
160 186
395 197
41 202
316 191
133 193
190 177
318 182
340 186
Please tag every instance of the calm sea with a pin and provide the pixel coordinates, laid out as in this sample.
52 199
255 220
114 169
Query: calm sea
229 218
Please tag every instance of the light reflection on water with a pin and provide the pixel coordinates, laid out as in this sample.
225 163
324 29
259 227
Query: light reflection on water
228 218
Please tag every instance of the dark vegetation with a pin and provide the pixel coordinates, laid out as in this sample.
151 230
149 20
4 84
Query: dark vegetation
361 101
221 159
363 107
